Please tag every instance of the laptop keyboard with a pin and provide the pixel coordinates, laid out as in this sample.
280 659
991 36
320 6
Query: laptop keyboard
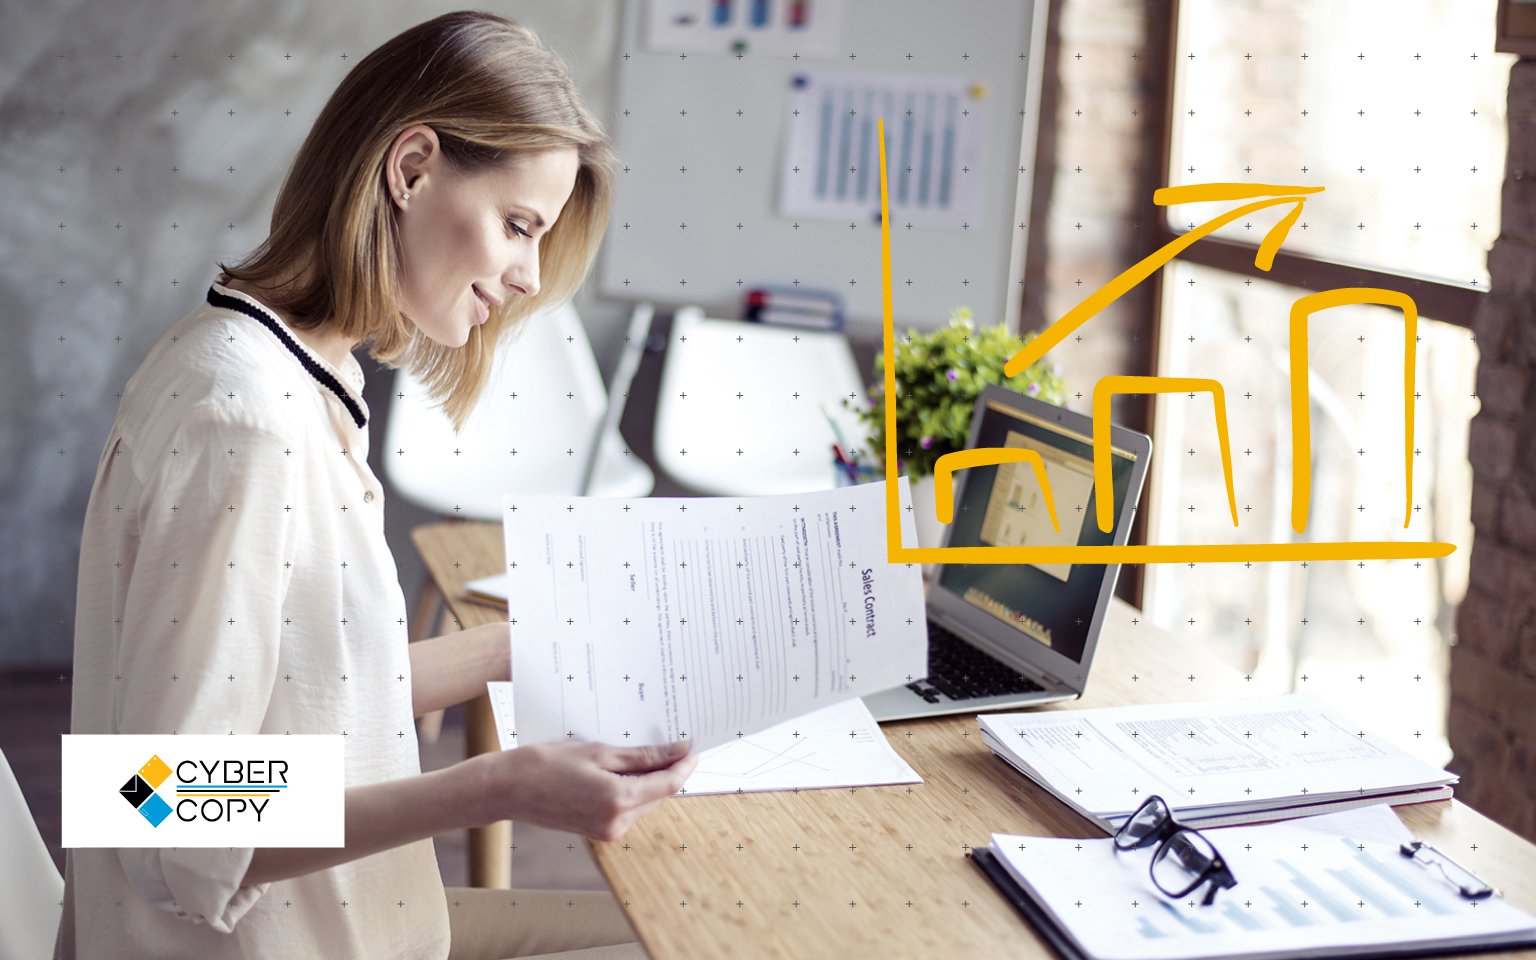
963 672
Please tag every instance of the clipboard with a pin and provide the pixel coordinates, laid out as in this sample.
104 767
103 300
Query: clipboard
1067 948
1046 927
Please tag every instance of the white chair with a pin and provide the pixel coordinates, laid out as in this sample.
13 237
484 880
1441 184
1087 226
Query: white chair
30 886
531 432
744 407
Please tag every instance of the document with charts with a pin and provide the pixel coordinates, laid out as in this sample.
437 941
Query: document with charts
1328 886
644 621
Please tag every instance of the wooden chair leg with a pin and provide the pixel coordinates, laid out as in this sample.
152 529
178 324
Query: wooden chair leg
429 604
490 846
429 726
430 609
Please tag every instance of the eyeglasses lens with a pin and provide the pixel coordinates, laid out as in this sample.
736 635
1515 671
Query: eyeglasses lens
1145 825
1181 862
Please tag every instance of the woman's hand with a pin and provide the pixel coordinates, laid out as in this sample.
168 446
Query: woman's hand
588 788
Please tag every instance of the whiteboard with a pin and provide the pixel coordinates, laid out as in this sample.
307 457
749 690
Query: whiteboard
704 124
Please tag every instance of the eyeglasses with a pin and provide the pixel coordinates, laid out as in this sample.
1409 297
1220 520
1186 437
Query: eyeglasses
1184 859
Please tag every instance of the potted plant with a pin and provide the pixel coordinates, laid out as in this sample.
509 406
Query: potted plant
938 377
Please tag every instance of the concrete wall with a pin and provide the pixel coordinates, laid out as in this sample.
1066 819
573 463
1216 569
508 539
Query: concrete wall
139 143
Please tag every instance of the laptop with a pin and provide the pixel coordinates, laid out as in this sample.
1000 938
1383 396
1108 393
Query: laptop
1005 636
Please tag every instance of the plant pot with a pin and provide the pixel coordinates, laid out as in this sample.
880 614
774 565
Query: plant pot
930 532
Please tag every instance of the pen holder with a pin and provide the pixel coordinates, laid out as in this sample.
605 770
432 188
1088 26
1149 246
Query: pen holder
928 531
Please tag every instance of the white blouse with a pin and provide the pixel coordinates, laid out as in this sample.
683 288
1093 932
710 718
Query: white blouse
234 577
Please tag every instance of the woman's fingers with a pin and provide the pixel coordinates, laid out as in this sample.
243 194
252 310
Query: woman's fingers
590 788
645 759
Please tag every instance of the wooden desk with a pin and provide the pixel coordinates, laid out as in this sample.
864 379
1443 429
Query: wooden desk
882 870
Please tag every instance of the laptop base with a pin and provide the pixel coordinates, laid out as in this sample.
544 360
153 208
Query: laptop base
901 703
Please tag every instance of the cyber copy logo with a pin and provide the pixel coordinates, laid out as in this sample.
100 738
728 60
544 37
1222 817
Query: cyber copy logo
209 790
140 789
204 791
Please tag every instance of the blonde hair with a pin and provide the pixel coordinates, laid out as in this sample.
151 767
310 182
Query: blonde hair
489 88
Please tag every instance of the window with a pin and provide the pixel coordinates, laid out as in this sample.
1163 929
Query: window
1398 112
1397 109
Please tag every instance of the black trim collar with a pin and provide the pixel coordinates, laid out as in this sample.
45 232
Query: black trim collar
324 376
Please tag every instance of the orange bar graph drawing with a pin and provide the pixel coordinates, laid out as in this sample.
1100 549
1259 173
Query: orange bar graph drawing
1263 196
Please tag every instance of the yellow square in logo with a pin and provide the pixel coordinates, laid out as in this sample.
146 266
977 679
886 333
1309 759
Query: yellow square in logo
154 772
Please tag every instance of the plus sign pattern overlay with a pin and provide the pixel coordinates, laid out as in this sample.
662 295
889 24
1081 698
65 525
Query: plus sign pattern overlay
153 145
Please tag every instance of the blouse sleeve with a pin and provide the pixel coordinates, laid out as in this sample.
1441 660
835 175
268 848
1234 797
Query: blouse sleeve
202 623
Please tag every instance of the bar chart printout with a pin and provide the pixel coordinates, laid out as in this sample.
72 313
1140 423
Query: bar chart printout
776 28
1312 887
935 138
705 619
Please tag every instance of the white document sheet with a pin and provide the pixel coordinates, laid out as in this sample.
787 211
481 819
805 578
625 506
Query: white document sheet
503 711
645 621
836 746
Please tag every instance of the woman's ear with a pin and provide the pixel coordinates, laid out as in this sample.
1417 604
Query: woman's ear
413 158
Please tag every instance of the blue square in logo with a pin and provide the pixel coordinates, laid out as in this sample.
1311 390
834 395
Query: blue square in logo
155 809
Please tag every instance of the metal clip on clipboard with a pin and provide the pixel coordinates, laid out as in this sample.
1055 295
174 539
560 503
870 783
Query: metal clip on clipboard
1465 881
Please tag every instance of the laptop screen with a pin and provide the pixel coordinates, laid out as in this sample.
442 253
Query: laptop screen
1003 505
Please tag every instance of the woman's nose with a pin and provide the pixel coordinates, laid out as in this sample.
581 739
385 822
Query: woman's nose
523 276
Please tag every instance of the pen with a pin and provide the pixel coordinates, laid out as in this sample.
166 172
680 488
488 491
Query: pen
843 461
836 430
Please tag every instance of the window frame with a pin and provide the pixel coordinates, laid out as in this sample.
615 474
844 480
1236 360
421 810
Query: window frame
1436 299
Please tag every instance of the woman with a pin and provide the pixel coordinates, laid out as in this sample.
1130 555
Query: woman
234 574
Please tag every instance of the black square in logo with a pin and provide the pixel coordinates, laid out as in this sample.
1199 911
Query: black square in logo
136 791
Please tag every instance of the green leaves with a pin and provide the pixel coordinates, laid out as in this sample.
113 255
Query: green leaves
938 377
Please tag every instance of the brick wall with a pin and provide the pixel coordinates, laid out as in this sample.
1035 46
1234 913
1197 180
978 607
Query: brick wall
1493 665
1097 165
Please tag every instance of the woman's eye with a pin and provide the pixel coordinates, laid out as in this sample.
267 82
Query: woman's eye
517 229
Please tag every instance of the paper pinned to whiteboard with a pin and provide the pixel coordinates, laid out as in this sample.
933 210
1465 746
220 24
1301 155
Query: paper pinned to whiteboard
809 28
935 133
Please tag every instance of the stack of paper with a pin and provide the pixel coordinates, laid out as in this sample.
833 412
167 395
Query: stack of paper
1214 763
1329 886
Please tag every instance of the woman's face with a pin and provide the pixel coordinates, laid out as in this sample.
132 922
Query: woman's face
468 242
